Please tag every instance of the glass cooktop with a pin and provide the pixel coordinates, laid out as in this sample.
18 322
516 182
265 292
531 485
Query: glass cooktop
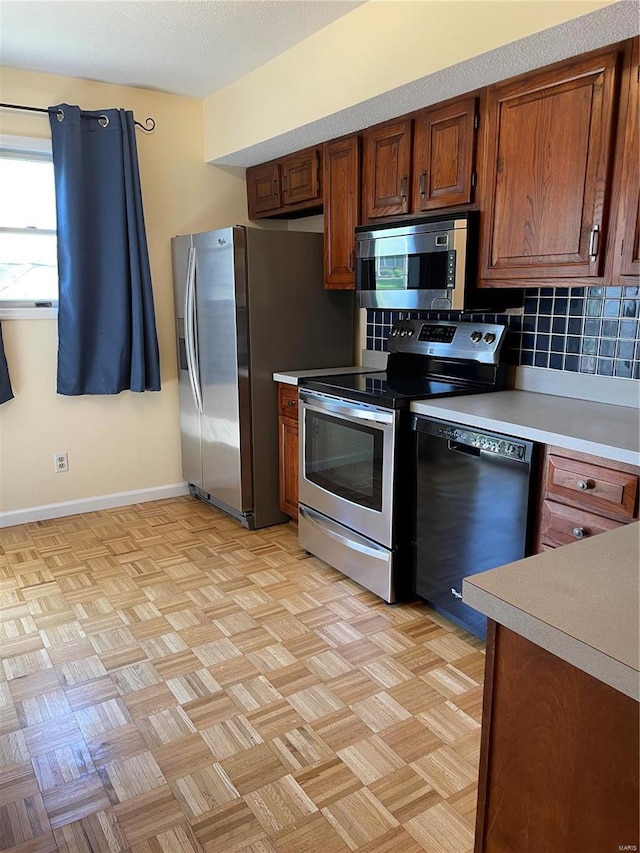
388 390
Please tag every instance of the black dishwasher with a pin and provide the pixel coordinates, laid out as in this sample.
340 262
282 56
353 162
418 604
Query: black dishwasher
472 511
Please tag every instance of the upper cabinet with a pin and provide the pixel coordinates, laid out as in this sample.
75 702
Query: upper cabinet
286 187
341 182
302 177
546 176
263 190
444 144
626 248
386 155
553 170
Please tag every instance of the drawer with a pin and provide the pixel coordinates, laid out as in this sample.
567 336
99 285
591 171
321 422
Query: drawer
288 401
563 524
602 490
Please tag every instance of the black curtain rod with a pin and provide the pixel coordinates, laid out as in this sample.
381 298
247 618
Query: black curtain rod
148 126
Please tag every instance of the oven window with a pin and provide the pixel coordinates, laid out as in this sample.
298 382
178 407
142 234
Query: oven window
344 458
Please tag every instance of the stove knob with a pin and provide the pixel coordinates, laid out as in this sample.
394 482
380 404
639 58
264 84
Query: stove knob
409 332
476 336
489 337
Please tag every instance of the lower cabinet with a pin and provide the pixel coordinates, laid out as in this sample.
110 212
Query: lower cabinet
288 448
582 496
558 758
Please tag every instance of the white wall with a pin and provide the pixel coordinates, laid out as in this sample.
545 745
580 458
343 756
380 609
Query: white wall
127 442
374 49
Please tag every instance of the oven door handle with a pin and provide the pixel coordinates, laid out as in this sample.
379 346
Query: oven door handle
354 541
339 408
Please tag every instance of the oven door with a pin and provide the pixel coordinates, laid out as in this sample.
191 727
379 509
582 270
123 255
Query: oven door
347 463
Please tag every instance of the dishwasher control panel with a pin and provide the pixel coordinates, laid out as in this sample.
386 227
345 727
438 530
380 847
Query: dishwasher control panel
455 435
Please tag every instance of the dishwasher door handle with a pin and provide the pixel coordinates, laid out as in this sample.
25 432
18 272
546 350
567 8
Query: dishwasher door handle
467 449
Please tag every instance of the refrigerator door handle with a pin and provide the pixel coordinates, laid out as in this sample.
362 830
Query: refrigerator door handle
189 330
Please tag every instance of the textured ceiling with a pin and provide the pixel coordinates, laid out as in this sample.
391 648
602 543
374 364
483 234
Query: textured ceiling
194 48
188 48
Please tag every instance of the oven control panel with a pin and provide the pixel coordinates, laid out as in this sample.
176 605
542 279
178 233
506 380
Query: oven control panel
457 339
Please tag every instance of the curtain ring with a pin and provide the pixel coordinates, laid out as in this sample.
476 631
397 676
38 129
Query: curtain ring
103 121
60 115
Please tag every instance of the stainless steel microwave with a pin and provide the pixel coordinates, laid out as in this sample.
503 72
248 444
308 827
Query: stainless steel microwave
427 263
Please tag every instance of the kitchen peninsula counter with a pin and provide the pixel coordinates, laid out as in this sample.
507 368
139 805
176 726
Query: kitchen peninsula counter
600 429
560 751
579 602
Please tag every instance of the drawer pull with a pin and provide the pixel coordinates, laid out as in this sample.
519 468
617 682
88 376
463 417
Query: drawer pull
579 532
291 402
584 485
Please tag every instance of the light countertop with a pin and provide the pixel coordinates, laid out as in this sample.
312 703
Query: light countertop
612 432
290 377
579 602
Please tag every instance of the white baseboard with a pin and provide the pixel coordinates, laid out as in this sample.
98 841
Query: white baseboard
58 510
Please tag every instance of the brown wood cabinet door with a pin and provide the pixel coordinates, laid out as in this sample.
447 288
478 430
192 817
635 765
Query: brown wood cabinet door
548 151
444 142
387 160
558 757
301 176
263 189
289 467
341 212
630 246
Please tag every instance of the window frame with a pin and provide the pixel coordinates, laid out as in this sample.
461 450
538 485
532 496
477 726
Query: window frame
27 145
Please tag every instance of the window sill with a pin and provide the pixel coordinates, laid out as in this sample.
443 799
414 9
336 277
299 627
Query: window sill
29 313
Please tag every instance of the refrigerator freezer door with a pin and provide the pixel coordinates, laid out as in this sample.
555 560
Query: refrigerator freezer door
222 357
189 414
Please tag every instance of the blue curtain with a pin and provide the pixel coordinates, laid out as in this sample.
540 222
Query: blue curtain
107 339
5 384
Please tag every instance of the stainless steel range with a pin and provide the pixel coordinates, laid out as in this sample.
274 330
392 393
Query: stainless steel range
357 477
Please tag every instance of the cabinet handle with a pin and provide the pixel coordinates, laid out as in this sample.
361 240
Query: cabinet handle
403 187
594 242
275 186
291 402
352 261
579 532
423 175
584 485
284 185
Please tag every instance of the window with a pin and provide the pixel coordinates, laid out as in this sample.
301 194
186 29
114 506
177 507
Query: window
28 263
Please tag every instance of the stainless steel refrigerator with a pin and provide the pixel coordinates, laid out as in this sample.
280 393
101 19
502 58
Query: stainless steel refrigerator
249 302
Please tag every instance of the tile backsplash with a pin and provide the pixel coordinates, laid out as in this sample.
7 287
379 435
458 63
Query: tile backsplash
579 329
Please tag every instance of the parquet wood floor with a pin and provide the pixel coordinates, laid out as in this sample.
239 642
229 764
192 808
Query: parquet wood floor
171 683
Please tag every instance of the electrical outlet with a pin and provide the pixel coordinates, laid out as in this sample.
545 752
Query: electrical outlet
60 462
